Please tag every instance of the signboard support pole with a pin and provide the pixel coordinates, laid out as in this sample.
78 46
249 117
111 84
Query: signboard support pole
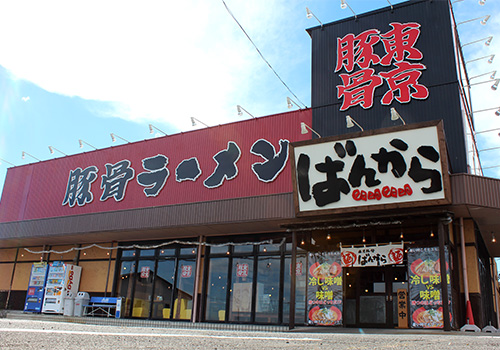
444 280
293 280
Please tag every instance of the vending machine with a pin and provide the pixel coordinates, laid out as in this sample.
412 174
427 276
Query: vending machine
61 279
36 287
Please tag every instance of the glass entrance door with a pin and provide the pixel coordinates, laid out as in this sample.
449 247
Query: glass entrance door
374 297
143 288
184 289
370 295
164 286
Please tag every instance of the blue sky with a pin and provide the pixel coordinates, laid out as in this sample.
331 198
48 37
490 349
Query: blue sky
74 70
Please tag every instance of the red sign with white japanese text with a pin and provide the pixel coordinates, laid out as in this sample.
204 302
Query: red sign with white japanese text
372 255
186 271
298 269
402 57
356 55
237 160
242 270
145 271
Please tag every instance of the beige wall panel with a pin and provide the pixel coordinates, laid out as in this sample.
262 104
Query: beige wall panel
97 253
6 273
24 255
469 234
22 276
8 254
94 275
472 270
63 256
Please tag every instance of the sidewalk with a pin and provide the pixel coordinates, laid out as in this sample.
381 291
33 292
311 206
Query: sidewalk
123 322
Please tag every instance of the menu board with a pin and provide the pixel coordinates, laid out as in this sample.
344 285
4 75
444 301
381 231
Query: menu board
426 302
324 289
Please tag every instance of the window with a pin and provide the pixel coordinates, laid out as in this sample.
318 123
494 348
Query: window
216 289
158 283
246 285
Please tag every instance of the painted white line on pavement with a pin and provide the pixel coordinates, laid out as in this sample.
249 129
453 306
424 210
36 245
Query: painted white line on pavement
28 330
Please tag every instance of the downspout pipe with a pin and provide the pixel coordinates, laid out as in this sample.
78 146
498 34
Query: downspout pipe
464 261
493 268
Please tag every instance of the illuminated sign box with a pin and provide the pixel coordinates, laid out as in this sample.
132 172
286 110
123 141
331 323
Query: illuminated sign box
396 167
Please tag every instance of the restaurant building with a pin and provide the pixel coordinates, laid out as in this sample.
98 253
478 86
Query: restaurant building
263 221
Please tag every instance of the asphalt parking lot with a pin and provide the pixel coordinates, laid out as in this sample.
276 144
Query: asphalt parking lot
35 334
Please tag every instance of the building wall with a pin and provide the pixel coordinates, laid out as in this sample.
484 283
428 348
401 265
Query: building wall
94 275
7 258
95 263
7 255
70 257
21 276
481 310
6 273
14 274
471 256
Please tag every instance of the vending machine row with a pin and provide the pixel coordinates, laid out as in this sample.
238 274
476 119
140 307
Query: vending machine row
50 284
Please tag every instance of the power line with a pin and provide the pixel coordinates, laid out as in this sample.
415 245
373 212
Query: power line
261 55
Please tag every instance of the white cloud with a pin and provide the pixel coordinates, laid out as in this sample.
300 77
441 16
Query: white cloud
155 59
25 98
166 62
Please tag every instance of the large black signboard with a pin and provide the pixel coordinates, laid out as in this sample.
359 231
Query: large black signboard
401 58
324 289
425 293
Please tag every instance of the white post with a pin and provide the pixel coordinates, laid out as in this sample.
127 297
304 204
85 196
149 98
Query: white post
467 326
464 261
196 302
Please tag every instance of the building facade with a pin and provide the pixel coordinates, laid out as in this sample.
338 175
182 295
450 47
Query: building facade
258 222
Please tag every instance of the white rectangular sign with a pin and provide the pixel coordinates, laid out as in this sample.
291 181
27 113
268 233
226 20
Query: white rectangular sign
405 166
389 254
